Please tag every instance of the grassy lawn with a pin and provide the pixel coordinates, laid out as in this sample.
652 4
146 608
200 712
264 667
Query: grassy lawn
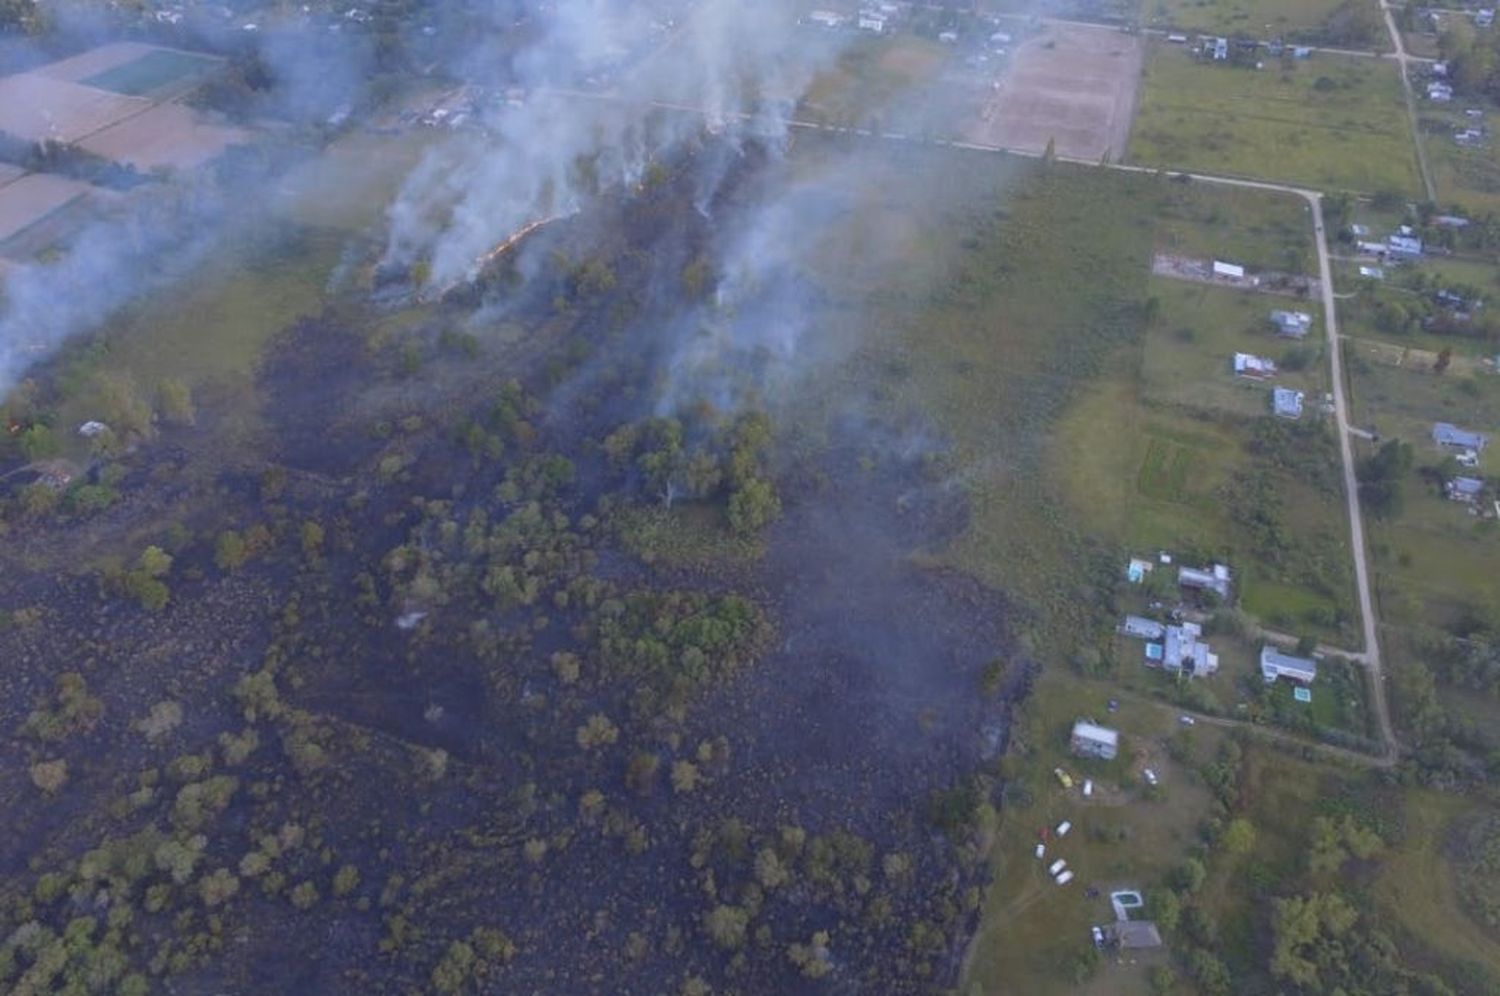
1434 559
1257 228
872 74
1124 836
1415 886
1327 122
1290 19
1189 349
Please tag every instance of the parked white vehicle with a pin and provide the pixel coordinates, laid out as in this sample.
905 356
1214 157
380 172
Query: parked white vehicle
1063 828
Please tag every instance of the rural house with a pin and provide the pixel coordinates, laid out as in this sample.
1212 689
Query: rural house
1215 579
1184 652
1464 489
1408 246
1253 367
1275 664
1089 740
1142 628
1450 436
1292 324
1286 403
1228 271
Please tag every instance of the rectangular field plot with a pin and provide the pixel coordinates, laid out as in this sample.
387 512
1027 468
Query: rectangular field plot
151 72
1333 123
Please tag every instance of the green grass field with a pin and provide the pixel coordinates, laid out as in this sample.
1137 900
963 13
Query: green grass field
1189 349
1332 123
151 72
1258 228
1124 837
1434 559
1290 19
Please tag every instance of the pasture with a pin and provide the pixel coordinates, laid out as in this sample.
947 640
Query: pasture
1328 122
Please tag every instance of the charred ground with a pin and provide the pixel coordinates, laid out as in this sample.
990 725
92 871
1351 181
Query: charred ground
398 697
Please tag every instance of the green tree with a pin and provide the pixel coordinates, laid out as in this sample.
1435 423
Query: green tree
753 506
1239 836
726 926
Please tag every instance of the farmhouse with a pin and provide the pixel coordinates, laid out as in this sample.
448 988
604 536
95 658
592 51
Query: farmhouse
1439 93
1286 403
1464 489
1450 436
1408 246
1372 273
1292 324
1254 367
1215 579
1142 628
1089 740
1371 248
1275 664
1184 652
1220 49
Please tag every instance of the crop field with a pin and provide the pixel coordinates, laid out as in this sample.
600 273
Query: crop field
1289 19
1329 122
1068 85
152 72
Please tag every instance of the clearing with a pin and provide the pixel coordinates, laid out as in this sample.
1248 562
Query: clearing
1071 85
1329 122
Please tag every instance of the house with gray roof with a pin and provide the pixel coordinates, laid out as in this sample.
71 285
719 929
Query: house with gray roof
1215 579
1141 628
1185 652
1451 436
1464 489
1286 403
1292 324
1276 664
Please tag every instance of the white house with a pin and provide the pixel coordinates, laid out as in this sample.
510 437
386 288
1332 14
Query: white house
1228 271
1215 578
1464 489
1275 664
1089 740
1254 367
1292 324
1286 403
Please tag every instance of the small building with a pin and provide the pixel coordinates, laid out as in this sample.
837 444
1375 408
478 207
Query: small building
1184 652
826 18
1450 221
1408 246
1301 52
1220 49
1450 436
1253 367
1089 740
1000 39
1228 271
1276 664
1359 231
1215 579
1292 324
1439 93
1372 273
1132 935
1286 403
1141 628
948 37
1177 39
871 21
1484 17
1371 248
1464 489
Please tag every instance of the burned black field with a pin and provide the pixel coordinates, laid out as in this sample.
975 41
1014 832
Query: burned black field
398 698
